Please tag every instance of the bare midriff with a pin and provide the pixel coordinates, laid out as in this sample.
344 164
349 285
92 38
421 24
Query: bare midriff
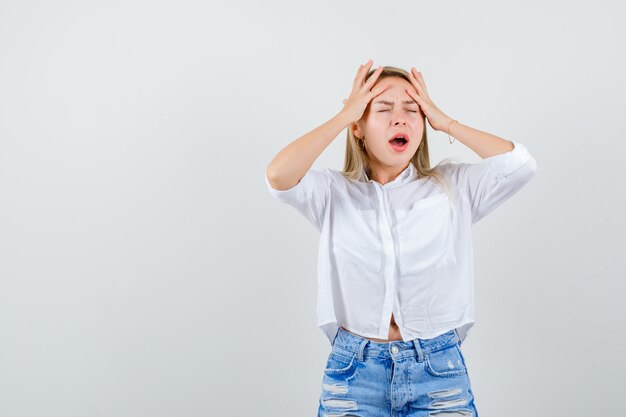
394 332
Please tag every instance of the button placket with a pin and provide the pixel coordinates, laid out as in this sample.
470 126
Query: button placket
390 258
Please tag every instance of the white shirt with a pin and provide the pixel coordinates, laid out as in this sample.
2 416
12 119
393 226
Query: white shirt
399 247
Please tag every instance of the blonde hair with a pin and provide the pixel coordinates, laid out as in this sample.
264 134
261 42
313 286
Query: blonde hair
356 163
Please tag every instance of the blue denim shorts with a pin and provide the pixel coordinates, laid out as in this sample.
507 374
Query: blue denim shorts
422 377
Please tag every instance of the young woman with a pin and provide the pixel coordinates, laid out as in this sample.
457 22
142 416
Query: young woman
395 267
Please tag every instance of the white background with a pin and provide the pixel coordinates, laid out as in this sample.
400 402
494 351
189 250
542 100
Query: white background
146 271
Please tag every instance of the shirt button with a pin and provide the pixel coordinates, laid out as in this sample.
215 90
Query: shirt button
394 349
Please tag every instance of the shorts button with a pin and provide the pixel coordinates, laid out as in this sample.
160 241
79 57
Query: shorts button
394 349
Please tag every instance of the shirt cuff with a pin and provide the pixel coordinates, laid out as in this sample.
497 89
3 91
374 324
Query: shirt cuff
284 194
508 162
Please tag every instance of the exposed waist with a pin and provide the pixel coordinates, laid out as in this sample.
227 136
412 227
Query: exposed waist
394 335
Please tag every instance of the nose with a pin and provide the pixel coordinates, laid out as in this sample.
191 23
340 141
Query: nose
398 118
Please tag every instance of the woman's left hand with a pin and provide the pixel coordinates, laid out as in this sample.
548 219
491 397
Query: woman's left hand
437 119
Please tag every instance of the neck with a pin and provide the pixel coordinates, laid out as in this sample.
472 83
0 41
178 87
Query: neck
385 174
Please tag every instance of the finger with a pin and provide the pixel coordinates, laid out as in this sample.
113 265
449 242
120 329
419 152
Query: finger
415 76
419 100
372 79
360 75
356 78
418 76
416 97
366 69
423 82
421 78
377 91
417 84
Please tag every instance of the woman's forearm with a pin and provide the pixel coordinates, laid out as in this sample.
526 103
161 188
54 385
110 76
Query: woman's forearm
294 160
483 143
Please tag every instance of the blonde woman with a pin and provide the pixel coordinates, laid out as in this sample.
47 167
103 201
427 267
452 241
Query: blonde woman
395 268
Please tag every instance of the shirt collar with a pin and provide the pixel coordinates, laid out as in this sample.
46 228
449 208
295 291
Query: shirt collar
402 178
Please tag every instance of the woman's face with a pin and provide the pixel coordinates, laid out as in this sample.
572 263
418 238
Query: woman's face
387 115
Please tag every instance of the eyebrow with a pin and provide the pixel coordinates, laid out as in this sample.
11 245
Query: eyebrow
390 103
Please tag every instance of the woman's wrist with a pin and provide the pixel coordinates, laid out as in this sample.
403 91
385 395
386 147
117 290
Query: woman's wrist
445 126
343 118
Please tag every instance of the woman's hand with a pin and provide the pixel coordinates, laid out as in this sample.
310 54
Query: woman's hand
355 105
437 119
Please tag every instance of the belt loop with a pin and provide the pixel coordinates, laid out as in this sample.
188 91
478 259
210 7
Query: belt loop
362 348
418 348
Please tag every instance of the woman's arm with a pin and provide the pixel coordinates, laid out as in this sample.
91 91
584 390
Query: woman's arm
290 165
483 143
294 160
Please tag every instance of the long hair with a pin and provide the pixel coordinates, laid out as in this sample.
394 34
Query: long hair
356 163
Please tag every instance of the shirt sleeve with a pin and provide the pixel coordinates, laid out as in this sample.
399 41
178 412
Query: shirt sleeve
489 183
309 196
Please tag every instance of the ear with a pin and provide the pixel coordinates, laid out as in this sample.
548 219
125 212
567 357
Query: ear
356 131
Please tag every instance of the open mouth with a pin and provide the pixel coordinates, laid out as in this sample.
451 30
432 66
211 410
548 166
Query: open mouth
399 143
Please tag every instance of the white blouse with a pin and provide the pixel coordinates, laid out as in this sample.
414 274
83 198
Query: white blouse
402 247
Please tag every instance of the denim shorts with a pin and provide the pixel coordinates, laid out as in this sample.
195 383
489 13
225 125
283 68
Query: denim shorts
421 377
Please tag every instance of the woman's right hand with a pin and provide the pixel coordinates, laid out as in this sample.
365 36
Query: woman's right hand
362 92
